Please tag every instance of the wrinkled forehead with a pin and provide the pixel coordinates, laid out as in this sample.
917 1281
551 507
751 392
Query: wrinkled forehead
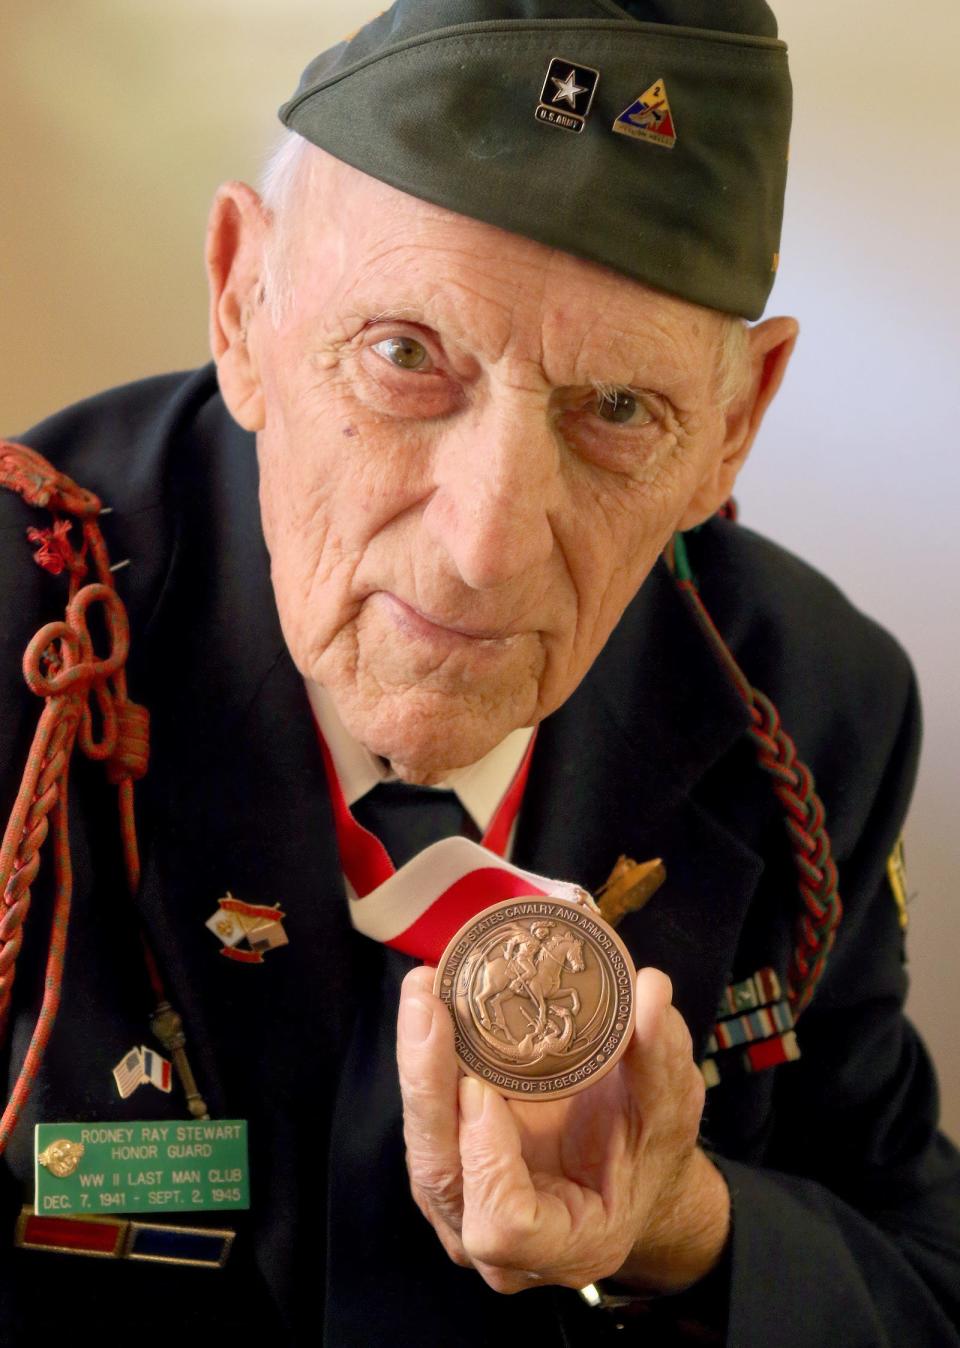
362 251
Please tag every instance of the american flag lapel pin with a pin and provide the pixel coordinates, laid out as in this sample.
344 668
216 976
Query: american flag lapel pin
142 1067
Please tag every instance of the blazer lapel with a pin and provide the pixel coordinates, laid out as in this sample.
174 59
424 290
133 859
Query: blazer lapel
235 800
616 771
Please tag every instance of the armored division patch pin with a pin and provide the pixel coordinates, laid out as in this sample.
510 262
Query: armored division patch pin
649 118
567 95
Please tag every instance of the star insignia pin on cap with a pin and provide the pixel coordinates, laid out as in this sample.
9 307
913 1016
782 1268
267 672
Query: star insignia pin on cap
567 95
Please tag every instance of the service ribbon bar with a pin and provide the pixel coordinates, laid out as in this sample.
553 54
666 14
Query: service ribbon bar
754 1016
747 1029
116 1238
760 989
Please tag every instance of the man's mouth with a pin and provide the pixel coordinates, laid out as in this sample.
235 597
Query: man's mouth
431 625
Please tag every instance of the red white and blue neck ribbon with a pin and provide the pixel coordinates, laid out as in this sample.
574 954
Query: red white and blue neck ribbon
419 907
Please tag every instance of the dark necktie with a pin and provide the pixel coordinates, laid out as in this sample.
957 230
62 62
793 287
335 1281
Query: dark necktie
407 819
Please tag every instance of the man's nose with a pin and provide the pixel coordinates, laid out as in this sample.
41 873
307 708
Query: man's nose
497 486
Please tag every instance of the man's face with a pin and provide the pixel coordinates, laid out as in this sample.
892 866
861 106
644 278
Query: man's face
456 520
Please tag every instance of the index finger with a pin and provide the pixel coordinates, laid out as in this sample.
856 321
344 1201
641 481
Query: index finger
428 1084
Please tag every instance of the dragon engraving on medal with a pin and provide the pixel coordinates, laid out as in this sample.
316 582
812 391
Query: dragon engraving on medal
525 965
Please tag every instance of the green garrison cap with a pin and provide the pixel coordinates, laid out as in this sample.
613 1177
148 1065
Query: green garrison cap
650 137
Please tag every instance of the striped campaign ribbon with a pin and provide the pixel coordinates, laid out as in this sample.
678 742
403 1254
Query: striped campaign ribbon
771 1053
419 907
754 1025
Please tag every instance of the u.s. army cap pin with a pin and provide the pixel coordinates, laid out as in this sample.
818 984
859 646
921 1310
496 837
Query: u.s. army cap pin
567 95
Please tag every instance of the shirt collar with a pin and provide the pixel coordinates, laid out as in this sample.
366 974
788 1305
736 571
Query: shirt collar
479 787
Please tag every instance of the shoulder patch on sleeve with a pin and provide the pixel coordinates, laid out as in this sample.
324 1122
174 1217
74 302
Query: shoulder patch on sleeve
897 875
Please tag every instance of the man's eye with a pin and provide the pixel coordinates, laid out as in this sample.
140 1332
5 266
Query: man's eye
619 406
406 353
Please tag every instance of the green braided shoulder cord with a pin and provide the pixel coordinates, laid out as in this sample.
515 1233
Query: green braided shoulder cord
794 788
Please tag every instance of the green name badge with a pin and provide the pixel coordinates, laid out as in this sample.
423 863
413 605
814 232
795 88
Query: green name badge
139 1168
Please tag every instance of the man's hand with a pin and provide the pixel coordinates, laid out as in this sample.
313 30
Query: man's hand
606 1183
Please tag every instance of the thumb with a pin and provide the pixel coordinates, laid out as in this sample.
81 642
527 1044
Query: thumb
650 1055
664 1081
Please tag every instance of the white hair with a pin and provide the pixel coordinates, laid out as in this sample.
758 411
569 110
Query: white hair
278 176
279 180
732 364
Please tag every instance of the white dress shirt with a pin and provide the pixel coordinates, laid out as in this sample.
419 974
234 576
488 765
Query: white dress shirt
479 787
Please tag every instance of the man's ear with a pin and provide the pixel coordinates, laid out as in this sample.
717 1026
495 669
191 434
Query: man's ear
236 235
769 347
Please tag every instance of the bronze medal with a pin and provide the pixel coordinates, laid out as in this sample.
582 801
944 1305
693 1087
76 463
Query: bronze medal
541 992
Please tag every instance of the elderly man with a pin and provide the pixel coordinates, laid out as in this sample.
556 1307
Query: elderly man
480 365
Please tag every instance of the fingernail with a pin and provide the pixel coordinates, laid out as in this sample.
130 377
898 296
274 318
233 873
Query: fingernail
472 1095
416 1018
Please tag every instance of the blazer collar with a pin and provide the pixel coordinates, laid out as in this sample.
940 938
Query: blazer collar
661 683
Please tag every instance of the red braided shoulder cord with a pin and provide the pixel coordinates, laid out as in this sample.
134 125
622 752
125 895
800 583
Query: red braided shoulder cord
61 667
794 788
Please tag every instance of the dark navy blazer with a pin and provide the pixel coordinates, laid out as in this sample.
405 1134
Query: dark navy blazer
846 1202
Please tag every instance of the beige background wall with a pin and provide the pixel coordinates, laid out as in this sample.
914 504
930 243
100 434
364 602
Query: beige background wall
119 117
